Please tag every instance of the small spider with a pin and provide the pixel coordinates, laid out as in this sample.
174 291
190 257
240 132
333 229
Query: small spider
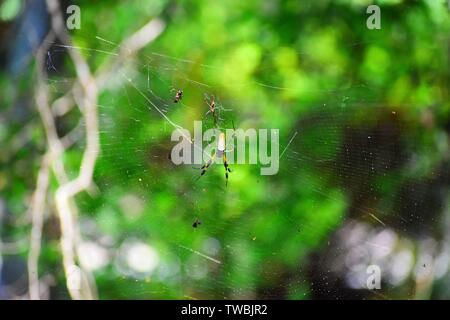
219 153
178 96
211 104
196 223
214 109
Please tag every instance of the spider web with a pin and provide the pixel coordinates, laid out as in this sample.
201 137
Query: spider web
314 227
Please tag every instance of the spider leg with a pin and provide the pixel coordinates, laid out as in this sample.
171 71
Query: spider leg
206 166
208 101
227 169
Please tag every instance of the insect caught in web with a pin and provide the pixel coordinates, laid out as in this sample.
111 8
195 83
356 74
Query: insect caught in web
196 223
178 96
220 152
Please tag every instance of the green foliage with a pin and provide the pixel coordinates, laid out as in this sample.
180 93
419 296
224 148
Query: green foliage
314 69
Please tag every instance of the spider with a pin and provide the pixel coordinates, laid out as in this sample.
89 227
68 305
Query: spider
219 153
178 96
211 104
213 108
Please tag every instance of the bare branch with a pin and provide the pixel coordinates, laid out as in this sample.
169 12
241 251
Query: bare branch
129 47
84 94
38 203
13 248
78 279
37 214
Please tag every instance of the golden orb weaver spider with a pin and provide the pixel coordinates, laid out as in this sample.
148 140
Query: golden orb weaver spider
220 152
